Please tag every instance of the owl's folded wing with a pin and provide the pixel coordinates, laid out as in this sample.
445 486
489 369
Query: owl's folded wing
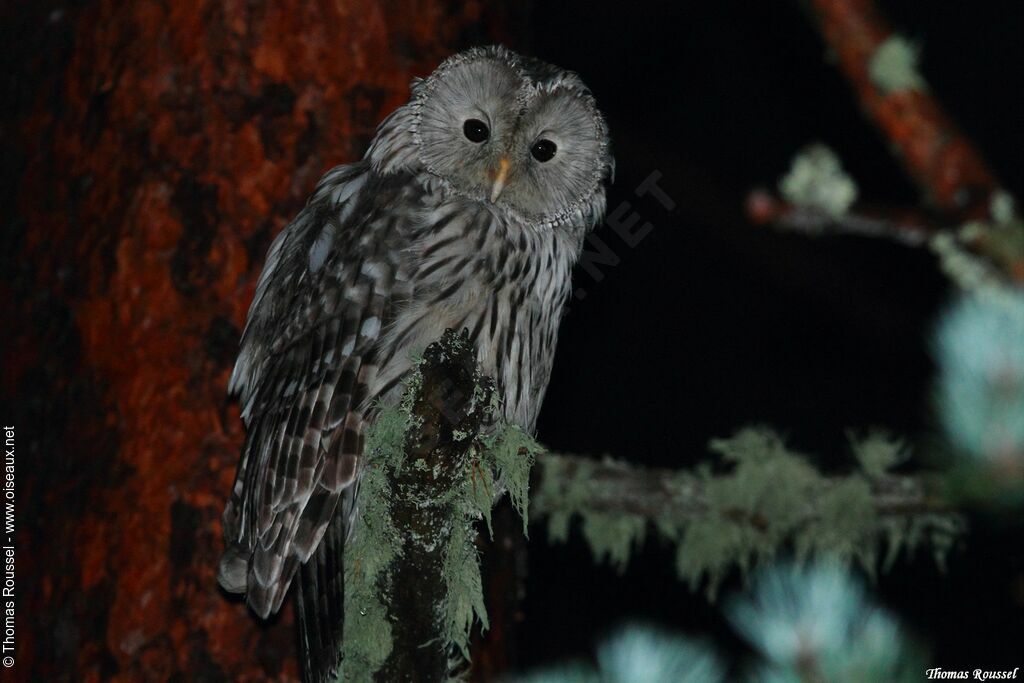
302 373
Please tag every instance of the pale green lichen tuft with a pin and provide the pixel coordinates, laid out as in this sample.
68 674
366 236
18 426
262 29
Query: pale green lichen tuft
512 453
480 495
374 545
503 460
845 527
751 511
817 180
999 243
769 500
1002 208
878 452
969 272
612 537
464 600
505 457
570 492
893 66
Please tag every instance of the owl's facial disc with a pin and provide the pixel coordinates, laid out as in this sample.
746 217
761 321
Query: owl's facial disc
509 132
559 154
466 119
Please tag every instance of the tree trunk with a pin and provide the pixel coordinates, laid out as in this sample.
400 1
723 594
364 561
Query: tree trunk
151 152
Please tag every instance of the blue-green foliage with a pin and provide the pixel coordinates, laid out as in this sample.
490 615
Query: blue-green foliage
818 623
641 654
979 346
806 623
644 654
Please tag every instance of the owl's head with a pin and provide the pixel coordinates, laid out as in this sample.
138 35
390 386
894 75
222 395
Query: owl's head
497 127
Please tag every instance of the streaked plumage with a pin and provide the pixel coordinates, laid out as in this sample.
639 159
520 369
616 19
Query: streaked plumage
431 230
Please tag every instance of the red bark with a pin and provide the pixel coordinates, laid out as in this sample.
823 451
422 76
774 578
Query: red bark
169 143
939 158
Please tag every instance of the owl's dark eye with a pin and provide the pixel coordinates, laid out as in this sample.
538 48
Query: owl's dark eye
543 150
475 130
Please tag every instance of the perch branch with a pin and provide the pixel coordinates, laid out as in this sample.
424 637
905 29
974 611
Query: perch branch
936 155
447 411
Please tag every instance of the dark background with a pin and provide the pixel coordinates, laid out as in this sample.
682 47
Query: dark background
711 323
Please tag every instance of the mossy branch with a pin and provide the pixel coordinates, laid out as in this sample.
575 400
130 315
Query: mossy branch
447 405
769 499
436 464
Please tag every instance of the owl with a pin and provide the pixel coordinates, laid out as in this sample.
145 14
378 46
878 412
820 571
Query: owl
468 212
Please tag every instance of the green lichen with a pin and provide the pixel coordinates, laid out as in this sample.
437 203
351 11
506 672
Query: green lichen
845 527
998 241
817 180
751 511
503 460
500 461
567 496
966 270
893 66
480 494
464 601
769 500
878 452
374 545
512 454
774 499
612 537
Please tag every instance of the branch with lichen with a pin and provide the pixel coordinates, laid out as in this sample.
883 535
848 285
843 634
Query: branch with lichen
882 68
817 199
769 500
970 225
435 465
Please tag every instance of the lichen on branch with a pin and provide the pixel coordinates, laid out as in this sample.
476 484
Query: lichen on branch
768 500
436 463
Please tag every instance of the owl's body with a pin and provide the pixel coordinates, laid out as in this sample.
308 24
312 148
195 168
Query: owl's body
434 229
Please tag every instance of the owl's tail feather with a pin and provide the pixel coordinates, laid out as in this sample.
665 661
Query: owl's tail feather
320 604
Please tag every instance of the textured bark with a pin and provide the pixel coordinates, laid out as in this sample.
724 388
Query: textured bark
155 149
448 410
936 155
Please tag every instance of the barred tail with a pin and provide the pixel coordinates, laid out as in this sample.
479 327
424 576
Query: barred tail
320 604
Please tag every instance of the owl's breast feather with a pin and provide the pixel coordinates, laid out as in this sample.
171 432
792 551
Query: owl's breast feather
504 283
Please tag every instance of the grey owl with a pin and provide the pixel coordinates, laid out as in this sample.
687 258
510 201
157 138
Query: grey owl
469 210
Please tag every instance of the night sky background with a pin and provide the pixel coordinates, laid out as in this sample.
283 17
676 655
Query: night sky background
711 323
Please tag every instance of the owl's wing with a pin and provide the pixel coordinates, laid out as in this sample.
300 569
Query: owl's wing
305 363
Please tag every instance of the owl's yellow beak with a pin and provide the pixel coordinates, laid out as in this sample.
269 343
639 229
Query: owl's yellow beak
499 179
